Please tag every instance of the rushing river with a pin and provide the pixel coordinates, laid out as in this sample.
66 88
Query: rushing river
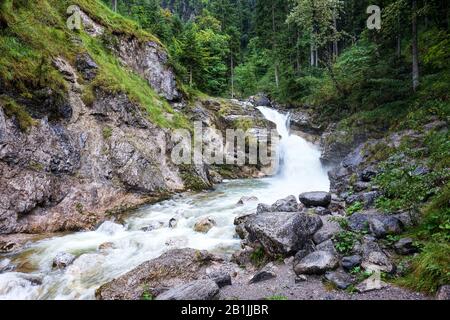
299 170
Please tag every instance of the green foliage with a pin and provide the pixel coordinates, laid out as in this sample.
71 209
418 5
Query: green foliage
12 109
107 132
355 207
258 257
344 241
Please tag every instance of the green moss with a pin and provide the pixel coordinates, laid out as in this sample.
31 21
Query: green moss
107 132
355 207
13 109
258 257
191 179
277 297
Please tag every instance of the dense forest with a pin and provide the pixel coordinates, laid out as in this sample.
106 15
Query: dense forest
370 75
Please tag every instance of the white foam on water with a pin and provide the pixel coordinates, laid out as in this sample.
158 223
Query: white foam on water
299 170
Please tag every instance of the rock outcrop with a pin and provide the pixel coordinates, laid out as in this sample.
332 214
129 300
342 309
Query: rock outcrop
173 269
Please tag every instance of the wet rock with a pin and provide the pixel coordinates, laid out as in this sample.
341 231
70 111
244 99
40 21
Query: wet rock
405 246
420 171
262 275
315 199
260 100
245 199
175 267
382 225
153 226
282 232
350 262
5 265
316 262
106 246
288 204
443 293
339 278
86 66
221 278
62 260
195 290
204 225
262 207
173 223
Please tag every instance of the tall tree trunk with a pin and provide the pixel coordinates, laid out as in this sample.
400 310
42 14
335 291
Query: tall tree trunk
232 76
114 5
277 79
399 38
415 48
190 76
335 41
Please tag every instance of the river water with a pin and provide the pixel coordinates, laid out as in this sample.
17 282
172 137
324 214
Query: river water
299 170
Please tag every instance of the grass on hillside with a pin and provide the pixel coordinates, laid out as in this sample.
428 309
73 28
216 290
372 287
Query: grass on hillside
36 33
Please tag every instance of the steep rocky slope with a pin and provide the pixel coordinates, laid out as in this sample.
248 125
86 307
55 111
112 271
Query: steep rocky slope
92 139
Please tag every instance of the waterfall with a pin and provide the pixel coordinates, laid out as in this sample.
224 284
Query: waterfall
299 167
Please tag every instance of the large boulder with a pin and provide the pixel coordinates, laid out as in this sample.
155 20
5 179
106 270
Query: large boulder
328 230
317 262
204 225
282 232
173 268
405 246
379 224
196 290
315 199
288 204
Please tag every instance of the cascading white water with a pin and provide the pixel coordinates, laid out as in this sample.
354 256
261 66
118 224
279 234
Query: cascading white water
299 167
300 170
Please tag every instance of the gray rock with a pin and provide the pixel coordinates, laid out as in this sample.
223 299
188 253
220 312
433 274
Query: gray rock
221 278
316 263
204 225
348 263
195 290
262 275
443 293
377 260
261 100
175 267
382 225
308 247
262 207
153 226
282 232
288 204
327 246
173 223
315 199
300 278
321 211
405 246
360 186
339 278
368 174
62 260
150 61
328 230
359 221
86 66
245 199
5 265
